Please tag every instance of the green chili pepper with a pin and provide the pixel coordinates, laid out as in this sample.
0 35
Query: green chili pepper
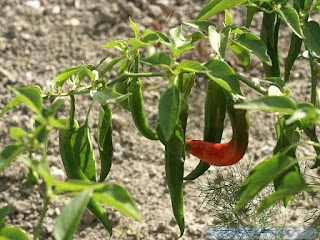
269 34
136 106
72 169
215 111
105 140
122 87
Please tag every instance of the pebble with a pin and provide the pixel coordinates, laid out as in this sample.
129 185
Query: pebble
155 10
58 174
56 9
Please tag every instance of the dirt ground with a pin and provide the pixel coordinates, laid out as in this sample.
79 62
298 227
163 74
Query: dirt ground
38 39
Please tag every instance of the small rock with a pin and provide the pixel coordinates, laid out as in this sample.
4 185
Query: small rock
119 122
155 10
88 217
58 174
56 9
34 4
22 206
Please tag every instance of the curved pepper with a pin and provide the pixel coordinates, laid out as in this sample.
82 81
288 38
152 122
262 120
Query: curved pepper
224 154
215 110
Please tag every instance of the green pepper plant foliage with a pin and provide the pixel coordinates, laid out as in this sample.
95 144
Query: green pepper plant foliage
77 154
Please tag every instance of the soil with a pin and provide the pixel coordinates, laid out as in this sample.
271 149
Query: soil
39 39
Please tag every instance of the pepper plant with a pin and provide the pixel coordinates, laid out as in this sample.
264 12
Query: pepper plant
223 95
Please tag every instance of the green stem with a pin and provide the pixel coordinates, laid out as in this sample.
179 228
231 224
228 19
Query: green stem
124 76
72 110
311 133
313 79
43 213
252 84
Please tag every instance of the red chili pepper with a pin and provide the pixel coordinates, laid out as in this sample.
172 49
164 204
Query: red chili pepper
224 154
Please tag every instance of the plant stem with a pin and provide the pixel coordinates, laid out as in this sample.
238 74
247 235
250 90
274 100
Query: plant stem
72 110
251 84
313 79
43 213
127 75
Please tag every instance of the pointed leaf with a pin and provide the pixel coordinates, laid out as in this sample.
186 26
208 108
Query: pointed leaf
110 64
311 31
192 66
292 184
291 17
201 25
274 81
107 96
68 220
66 74
177 37
4 211
136 43
9 153
260 176
17 134
83 151
227 18
280 104
224 39
216 6
135 29
30 96
13 233
242 53
250 14
214 38
117 197
254 44
159 59
89 73
221 73
169 109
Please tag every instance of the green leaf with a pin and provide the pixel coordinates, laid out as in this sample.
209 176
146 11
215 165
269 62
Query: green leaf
83 151
30 96
222 74
194 37
150 36
255 44
224 39
13 233
177 37
227 18
52 109
18 134
107 96
9 153
188 82
291 17
201 25
251 11
316 5
192 66
117 197
216 6
136 43
311 31
214 38
75 185
279 104
292 184
110 64
4 211
169 109
105 140
64 75
260 176
68 220
274 81
135 29
119 45
89 73
242 53
159 59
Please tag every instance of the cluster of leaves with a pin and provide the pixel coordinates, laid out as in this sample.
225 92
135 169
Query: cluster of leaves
77 152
